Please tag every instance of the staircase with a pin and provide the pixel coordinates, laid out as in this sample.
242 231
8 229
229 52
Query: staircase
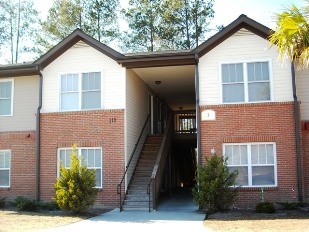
137 197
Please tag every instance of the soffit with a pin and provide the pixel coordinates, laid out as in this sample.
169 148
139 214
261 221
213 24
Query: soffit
177 87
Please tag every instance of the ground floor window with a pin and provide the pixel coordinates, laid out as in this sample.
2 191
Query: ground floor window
90 157
5 168
255 162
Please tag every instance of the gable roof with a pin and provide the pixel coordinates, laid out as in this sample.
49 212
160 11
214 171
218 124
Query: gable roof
241 22
76 36
150 59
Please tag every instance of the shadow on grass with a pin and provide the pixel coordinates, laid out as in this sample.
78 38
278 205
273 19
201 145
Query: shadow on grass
235 215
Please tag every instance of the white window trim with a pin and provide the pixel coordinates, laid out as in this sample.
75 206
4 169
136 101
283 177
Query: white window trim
79 73
271 87
12 96
7 169
79 154
250 165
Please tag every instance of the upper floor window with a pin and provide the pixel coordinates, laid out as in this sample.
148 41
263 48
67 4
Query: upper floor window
80 91
90 157
255 162
246 82
5 167
6 97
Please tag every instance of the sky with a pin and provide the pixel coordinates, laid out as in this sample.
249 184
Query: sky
226 11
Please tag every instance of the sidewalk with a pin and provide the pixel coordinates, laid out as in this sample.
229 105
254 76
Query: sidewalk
159 221
178 214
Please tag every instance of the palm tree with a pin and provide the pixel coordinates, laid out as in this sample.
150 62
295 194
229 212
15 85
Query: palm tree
292 41
292 35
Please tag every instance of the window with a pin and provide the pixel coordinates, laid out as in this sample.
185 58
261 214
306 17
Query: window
80 91
91 158
5 167
6 97
255 162
246 82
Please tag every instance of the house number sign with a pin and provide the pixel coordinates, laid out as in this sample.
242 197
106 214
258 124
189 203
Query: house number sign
208 115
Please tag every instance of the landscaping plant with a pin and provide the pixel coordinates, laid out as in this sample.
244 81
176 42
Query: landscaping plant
2 202
265 207
25 204
75 187
215 190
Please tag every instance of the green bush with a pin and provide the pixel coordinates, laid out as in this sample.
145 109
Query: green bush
291 205
213 191
2 202
265 207
25 204
75 188
51 206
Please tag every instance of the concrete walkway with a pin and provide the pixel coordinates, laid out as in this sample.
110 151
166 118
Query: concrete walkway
176 215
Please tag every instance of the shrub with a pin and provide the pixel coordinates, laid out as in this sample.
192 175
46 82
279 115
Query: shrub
213 191
75 188
51 206
291 205
2 202
25 204
265 207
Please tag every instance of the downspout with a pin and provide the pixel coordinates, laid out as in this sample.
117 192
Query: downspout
197 108
297 135
38 138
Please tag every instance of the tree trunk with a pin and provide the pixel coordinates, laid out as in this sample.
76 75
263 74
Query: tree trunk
188 44
297 135
18 33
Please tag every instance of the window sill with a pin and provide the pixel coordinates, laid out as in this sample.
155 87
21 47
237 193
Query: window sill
258 189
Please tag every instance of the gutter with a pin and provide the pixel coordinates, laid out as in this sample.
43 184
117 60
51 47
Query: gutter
38 136
197 108
297 136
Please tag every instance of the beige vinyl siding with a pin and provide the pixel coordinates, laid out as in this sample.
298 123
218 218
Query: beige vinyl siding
83 58
136 110
243 46
302 80
25 104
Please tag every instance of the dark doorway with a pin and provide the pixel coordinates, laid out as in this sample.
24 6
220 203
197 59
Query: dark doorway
183 164
180 175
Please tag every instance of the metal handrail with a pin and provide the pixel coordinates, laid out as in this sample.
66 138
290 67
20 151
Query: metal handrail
119 186
158 165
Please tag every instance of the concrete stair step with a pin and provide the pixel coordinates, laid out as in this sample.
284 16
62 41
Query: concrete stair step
130 208
137 197
137 192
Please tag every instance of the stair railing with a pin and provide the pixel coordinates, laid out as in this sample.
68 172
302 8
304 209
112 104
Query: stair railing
153 188
135 154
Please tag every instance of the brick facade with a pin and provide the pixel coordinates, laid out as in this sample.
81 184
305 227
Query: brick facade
262 122
23 163
101 128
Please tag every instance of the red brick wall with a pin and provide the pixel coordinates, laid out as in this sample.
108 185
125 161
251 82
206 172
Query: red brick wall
102 128
22 146
264 122
305 150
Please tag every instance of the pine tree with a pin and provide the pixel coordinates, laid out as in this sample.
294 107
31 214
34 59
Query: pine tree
18 22
166 25
143 21
215 189
75 188
98 18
